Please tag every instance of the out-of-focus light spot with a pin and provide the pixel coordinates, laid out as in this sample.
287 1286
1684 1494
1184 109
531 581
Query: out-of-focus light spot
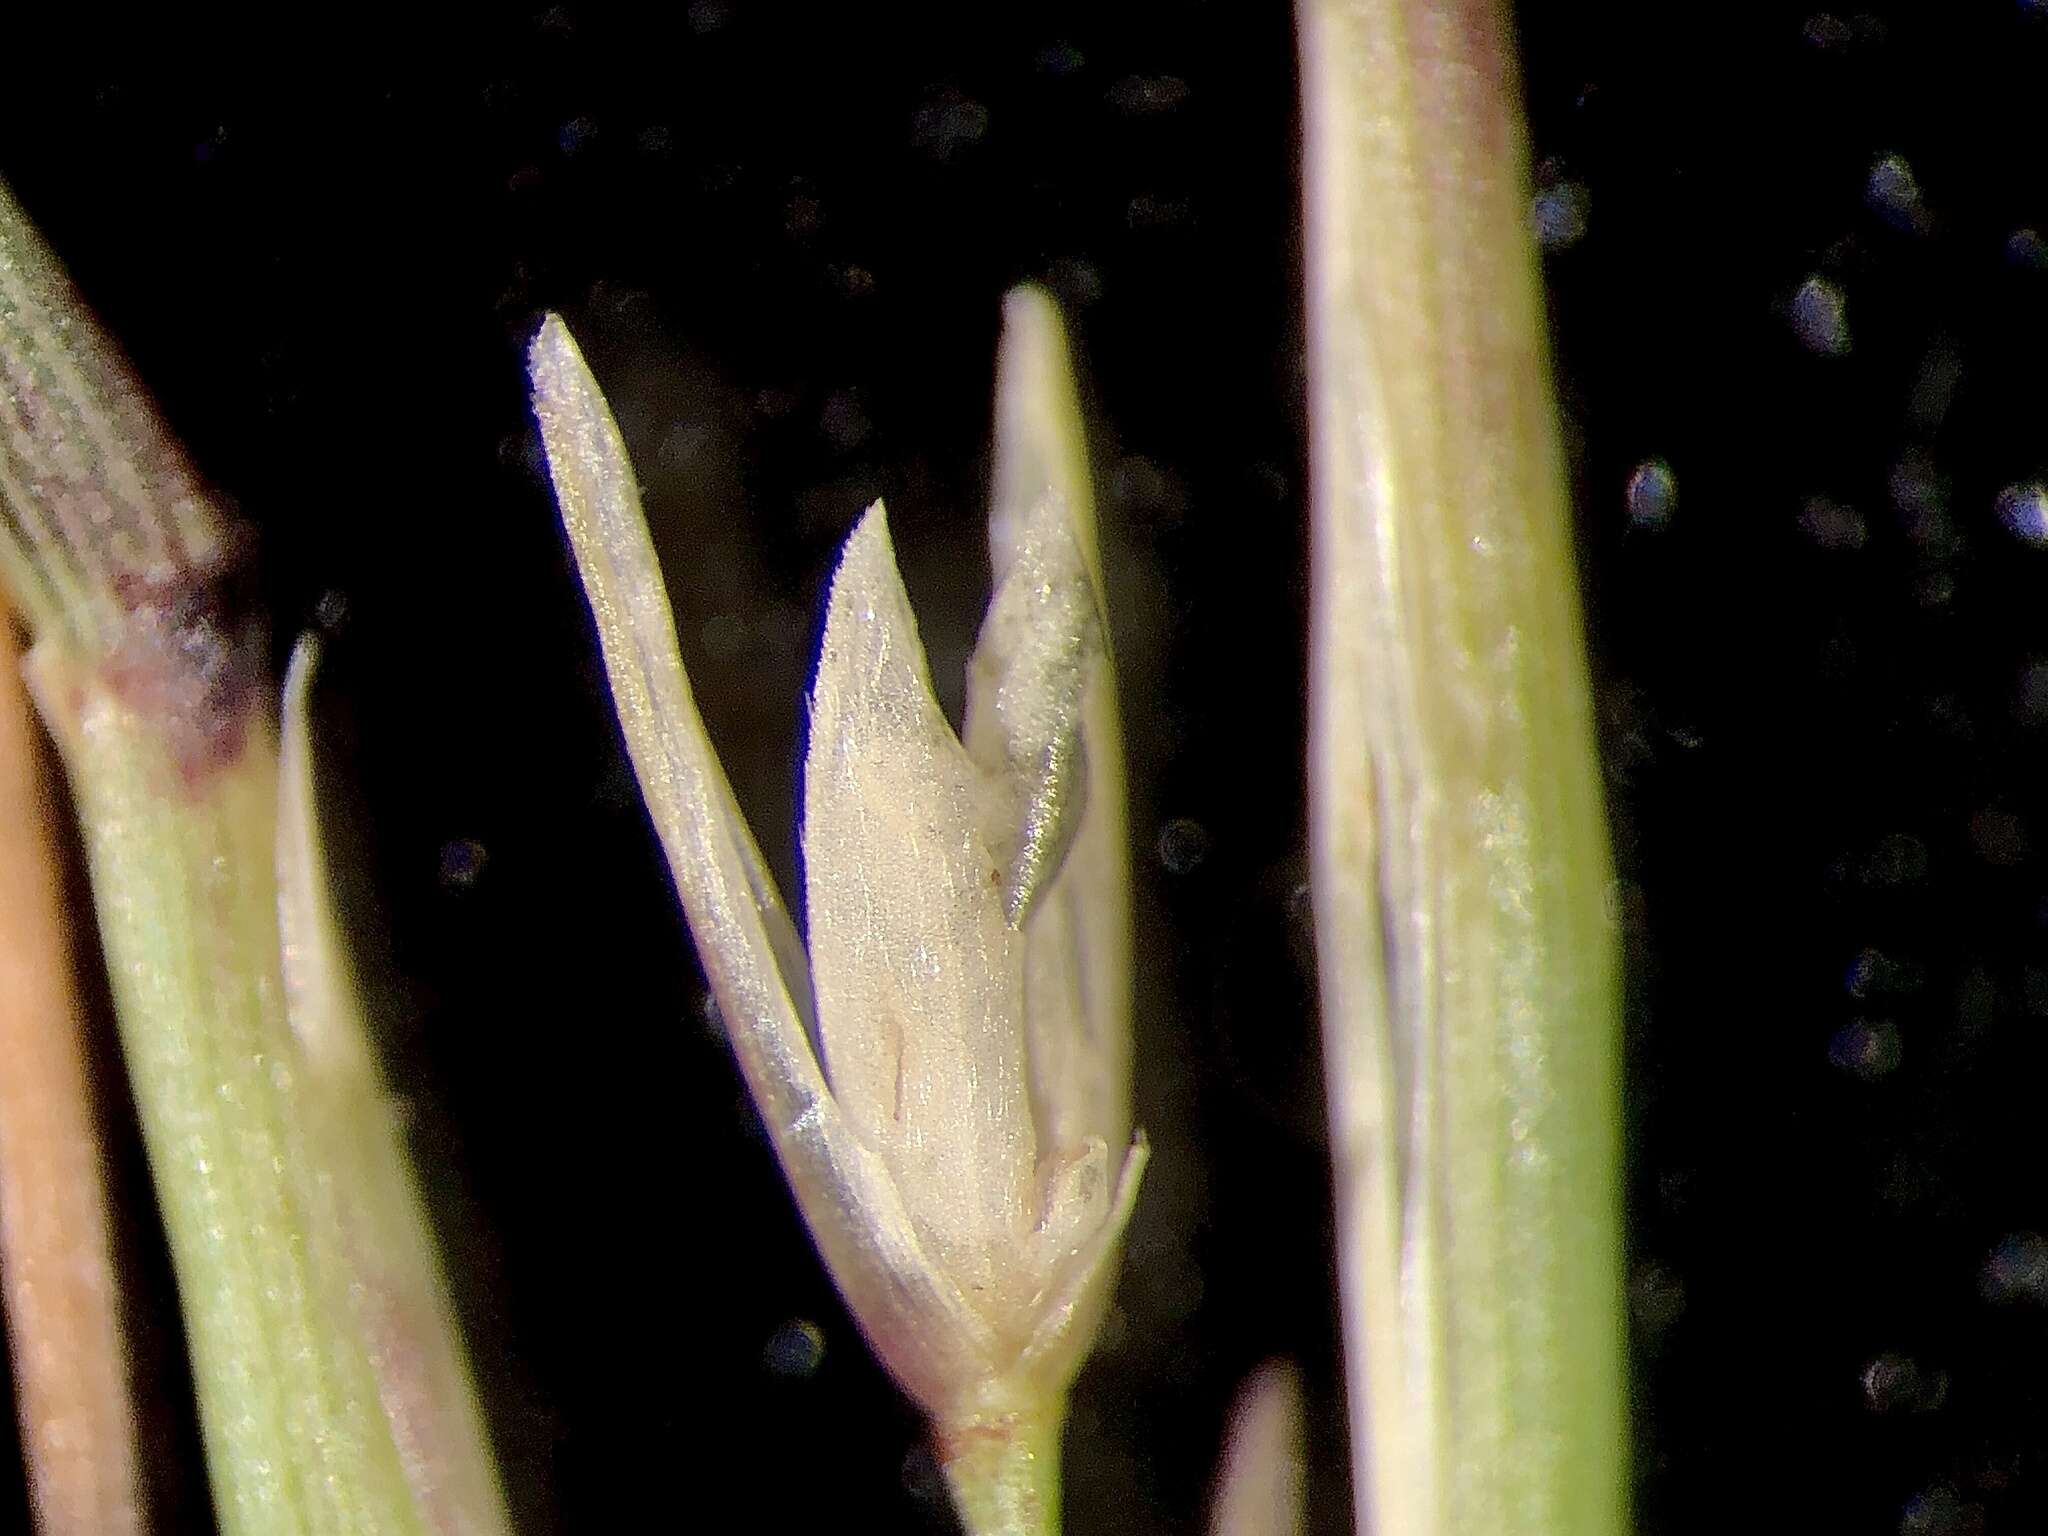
1940 1511
2031 704
1934 390
708 15
1078 282
1873 972
1918 487
1656 1301
1860 973
1866 1048
2023 508
1898 859
1895 1383
1826 31
711 1019
1832 525
924 1481
462 863
2026 248
682 443
1183 844
794 1350
1893 193
1060 60
842 421
1999 836
948 124
1145 489
1142 95
1559 214
1820 317
2016 1270
1149 211
725 636
1936 588
802 215
576 135
1652 494
1905 1183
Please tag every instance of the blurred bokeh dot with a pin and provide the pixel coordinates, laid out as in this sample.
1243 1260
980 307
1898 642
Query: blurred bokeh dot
710 1016
1820 317
1866 1048
1559 213
1826 31
842 421
794 1350
1832 524
462 863
1139 95
1061 59
2031 702
576 135
1899 858
1656 1300
1999 836
1918 488
1940 1511
947 124
2026 248
1183 844
1893 193
2023 508
1652 494
922 1478
2017 1270
1895 1383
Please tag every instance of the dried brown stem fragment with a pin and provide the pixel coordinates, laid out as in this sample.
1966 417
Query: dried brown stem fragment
70 1370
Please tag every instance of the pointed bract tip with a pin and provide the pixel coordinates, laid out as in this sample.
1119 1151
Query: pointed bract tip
868 549
1030 307
553 360
1033 343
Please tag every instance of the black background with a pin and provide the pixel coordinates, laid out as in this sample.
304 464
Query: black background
782 235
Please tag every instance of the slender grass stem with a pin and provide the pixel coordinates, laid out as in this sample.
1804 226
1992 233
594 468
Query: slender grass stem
332 1399
1460 858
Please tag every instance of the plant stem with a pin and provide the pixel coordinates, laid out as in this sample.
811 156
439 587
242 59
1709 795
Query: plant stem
1459 846
70 1373
1004 1470
332 1397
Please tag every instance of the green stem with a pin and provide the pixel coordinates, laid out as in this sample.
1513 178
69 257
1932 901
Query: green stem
1459 845
187 901
1004 1471
333 1396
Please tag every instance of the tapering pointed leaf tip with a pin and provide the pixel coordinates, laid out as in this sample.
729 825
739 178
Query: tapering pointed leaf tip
561 380
866 571
552 345
1030 315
